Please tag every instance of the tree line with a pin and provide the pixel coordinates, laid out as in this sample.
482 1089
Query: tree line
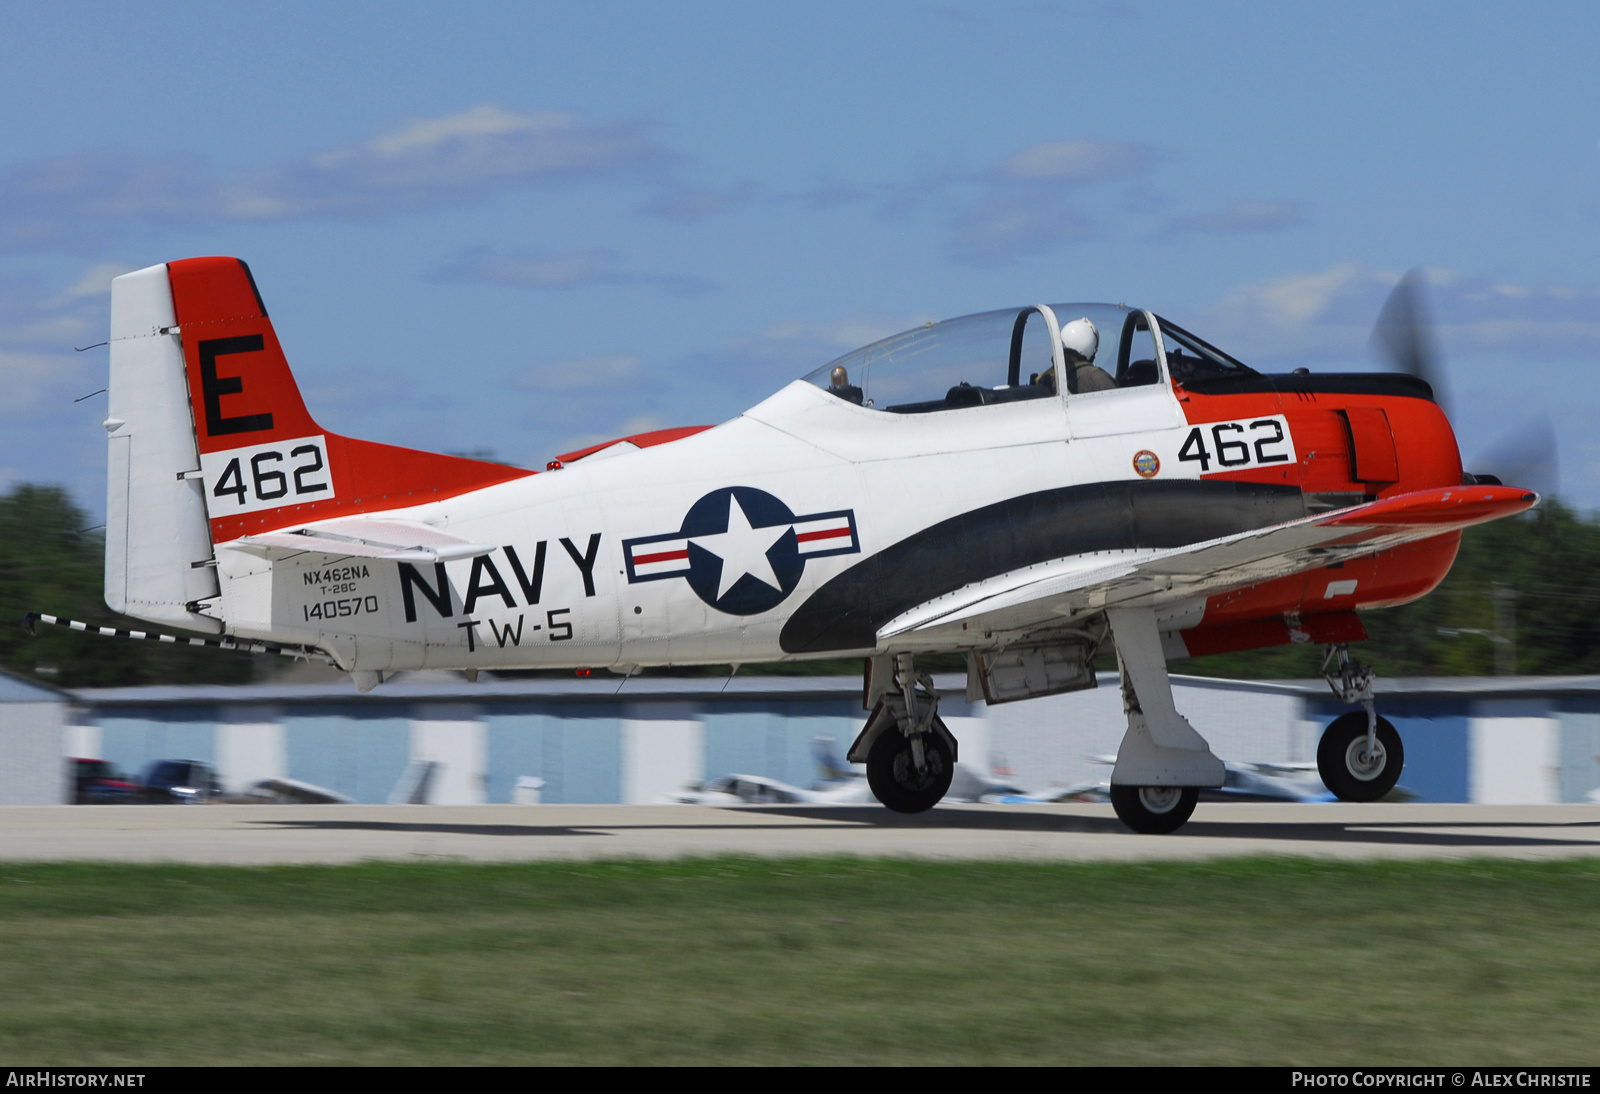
1530 583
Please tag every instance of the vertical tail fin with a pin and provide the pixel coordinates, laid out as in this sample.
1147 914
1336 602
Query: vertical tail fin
267 464
826 757
158 545
211 440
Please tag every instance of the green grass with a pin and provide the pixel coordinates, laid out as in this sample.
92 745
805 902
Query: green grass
809 961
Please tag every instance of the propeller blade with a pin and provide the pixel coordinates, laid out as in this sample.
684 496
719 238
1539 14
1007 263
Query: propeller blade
1524 457
1404 337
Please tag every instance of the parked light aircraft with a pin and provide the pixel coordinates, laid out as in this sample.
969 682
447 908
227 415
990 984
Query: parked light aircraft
976 486
838 784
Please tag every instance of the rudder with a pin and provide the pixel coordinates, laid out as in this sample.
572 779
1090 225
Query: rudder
158 546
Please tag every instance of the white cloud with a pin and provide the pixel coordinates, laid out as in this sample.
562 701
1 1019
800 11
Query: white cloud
1330 313
1077 161
96 280
435 162
747 368
1008 225
26 378
691 206
1244 218
639 423
80 202
582 373
532 269
1294 300
1026 206
36 319
49 437
848 333
556 270
827 195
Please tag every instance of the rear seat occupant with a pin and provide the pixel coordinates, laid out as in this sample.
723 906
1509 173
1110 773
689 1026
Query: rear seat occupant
1081 341
839 383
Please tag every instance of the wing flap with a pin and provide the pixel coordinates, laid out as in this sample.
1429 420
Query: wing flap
1067 587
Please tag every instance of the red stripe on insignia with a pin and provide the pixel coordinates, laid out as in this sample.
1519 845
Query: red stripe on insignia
826 533
664 556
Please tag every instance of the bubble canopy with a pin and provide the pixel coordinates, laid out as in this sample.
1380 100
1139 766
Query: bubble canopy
1014 355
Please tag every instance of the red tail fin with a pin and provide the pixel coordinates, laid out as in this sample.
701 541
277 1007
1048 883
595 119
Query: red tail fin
266 463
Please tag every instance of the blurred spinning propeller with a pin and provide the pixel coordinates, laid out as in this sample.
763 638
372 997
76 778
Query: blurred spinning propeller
1403 336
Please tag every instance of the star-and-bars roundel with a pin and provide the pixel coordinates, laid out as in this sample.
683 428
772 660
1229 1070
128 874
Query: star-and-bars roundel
741 549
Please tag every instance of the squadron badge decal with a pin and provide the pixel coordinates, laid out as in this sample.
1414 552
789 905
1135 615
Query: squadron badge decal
741 549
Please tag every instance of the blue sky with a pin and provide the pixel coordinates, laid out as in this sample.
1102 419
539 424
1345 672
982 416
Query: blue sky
523 229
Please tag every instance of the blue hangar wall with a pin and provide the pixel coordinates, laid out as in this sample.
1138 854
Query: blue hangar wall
599 740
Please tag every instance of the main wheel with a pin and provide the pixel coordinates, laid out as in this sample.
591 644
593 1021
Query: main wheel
892 771
1154 810
1346 767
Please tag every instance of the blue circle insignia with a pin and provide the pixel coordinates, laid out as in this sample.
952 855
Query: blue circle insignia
748 530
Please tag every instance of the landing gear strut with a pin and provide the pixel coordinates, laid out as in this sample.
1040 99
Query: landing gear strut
1162 762
910 754
1360 755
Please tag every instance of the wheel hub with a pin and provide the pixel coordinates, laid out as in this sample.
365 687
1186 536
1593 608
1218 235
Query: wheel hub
907 775
1363 764
1160 799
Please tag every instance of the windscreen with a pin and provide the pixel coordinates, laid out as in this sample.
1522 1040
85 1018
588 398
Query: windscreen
1191 358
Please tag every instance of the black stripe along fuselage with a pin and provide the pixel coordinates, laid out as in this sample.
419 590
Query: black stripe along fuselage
848 610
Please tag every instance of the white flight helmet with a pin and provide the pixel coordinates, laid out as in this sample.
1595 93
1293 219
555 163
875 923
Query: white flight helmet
1081 337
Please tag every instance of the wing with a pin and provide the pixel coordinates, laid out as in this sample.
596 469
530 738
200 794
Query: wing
1066 587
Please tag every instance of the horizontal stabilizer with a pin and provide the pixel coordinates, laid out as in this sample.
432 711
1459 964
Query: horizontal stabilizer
31 621
395 540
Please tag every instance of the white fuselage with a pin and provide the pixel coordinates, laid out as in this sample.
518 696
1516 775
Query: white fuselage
854 481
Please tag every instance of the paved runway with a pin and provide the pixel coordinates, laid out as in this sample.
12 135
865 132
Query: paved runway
507 833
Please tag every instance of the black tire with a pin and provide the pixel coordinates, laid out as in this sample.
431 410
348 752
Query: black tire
1154 810
1346 770
892 771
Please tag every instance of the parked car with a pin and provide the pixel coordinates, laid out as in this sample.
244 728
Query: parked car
98 782
180 782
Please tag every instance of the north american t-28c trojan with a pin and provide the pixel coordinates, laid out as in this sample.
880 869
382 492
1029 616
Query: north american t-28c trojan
1017 486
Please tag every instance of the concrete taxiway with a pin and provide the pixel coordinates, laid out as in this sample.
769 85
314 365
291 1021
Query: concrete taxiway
246 834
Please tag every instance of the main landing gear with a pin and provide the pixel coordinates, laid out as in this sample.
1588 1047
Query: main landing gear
1154 810
1360 755
909 752
1162 762
899 781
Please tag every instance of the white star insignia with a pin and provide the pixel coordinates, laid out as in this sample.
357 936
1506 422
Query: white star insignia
743 549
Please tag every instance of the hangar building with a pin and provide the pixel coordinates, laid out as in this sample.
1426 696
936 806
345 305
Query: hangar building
600 739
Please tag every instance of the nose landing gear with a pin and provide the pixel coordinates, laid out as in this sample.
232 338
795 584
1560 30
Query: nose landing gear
1360 755
1357 766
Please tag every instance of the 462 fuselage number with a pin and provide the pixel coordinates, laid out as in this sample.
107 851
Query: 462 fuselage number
1234 446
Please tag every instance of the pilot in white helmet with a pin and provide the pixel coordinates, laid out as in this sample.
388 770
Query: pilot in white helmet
1080 342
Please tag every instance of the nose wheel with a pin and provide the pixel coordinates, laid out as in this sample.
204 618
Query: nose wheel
1154 810
1351 768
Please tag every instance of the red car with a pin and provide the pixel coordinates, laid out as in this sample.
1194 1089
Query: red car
98 782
